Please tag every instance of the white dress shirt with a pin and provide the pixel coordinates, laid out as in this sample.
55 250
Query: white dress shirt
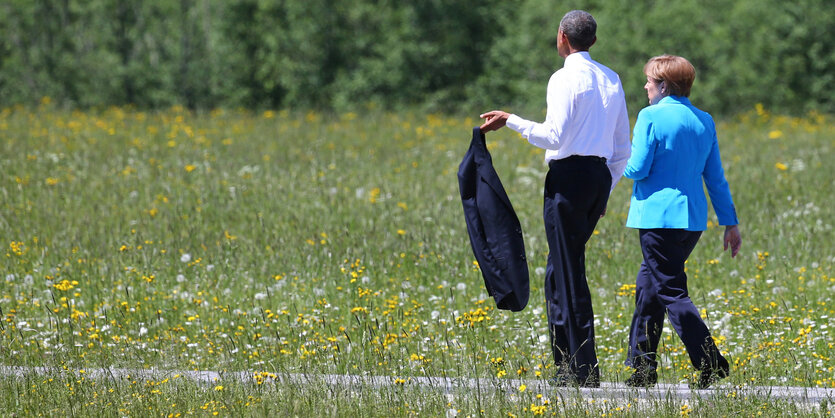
586 115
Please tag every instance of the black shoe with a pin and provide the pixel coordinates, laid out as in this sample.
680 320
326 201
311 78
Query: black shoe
709 376
563 380
642 378
592 381
568 380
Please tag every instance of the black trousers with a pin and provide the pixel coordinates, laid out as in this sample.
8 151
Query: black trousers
576 192
662 288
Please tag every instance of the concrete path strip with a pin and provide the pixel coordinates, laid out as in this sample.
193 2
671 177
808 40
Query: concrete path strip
803 395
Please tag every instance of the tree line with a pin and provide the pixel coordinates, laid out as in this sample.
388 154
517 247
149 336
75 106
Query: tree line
444 55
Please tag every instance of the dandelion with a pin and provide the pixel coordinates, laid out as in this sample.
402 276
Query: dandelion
185 258
538 409
473 317
219 388
775 134
65 285
781 166
374 195
627 289
18 248
359 309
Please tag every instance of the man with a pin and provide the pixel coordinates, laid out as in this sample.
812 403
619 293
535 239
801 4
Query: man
586 138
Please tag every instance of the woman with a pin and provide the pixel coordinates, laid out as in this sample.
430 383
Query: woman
674 147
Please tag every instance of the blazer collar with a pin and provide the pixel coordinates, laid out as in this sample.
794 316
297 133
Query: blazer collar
484 164
676 99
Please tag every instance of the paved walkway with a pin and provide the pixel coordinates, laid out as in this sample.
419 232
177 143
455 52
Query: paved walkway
801 395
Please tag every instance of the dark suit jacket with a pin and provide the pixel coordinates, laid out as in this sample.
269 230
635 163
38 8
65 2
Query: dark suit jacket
495 233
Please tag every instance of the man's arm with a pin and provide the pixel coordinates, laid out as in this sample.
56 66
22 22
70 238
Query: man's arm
495 119
543 135
549 134
621 147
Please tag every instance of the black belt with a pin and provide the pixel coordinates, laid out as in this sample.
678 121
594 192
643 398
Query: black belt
588 158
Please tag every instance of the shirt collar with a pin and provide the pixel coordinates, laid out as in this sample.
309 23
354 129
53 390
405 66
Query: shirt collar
675 99
576 58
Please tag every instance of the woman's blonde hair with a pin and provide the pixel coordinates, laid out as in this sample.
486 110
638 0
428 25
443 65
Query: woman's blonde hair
675 71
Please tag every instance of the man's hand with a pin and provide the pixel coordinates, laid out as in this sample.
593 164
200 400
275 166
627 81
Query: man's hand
733 238
495 119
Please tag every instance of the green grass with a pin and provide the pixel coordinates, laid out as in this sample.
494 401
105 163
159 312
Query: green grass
315 243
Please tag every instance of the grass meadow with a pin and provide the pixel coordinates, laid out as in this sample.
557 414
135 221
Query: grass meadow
278 243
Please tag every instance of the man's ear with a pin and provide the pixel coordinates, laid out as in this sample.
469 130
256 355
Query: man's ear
593 41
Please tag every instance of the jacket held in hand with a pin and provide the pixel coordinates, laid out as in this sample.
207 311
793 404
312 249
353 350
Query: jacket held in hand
494 229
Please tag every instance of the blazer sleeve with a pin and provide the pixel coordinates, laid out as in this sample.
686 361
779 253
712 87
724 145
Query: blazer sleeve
643 149
717 187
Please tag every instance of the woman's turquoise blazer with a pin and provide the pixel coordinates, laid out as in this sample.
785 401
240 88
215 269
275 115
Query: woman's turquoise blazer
674 147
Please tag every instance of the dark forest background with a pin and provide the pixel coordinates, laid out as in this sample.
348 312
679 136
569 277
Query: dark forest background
440 55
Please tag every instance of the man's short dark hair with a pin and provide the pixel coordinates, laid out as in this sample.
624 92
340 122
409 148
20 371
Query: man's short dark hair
580 28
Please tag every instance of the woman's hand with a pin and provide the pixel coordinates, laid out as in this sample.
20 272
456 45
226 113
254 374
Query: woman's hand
733 238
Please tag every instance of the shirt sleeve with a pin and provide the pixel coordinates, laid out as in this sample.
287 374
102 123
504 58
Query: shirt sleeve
622 147
718 189
643 149
560 101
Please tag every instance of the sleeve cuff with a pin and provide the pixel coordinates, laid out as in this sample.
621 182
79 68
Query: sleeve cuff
516 123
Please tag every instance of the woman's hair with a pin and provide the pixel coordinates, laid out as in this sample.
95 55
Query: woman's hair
675 71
